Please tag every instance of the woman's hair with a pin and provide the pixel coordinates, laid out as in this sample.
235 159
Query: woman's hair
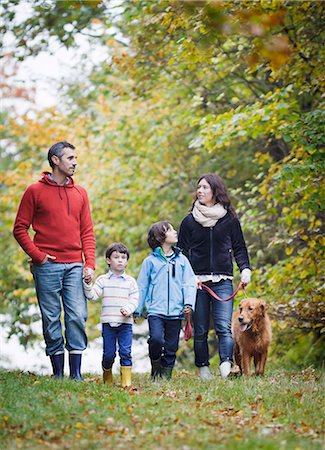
157 234
219 191
117 247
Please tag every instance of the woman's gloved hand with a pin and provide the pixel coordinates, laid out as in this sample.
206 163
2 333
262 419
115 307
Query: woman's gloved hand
245 276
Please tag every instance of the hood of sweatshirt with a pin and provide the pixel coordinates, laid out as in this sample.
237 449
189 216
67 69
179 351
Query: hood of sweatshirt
47 180
159 252
61 189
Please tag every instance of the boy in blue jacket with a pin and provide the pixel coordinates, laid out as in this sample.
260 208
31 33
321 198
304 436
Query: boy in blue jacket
167 288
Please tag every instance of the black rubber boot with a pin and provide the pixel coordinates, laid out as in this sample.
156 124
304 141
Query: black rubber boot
57 365
75 365
155 368
166 372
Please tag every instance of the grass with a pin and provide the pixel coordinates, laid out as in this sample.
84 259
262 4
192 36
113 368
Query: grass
283 410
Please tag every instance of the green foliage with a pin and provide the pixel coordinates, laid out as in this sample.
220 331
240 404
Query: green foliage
43 20
305 349
280 411
297 230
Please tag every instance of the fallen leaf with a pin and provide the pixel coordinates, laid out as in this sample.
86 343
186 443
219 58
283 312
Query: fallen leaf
298 394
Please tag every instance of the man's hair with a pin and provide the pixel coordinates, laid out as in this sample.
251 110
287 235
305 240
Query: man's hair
117 247
57 150
157 234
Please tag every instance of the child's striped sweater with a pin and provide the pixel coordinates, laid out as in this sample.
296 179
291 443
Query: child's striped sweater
116 291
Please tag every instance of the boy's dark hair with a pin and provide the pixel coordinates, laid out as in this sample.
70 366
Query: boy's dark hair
157 234
117 247
57 150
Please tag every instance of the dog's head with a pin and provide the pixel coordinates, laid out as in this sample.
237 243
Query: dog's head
251 310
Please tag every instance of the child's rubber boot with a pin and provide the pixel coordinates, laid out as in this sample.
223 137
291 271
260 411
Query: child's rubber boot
126 376
107 376
75 366
155 368
166 372
57 362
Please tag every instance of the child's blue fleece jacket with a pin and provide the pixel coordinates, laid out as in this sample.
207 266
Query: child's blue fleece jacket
166 285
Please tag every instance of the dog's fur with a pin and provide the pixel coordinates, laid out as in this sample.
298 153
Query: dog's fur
252 333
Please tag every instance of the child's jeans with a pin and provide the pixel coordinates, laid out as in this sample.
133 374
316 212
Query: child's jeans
163 339
123 336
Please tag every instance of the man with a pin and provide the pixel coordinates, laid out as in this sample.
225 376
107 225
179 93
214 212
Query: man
59 213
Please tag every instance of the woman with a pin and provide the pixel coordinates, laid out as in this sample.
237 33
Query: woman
209 235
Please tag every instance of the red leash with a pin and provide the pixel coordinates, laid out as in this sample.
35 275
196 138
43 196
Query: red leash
241 285
188 330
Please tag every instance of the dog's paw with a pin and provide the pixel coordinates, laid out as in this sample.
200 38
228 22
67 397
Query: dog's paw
235 371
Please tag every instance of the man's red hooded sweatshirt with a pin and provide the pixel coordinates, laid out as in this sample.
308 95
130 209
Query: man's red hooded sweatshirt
61 219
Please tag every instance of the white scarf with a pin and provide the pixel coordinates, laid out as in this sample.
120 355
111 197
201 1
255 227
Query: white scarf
208 216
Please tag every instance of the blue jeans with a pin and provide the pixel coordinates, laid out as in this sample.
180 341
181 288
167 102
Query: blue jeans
163 339
221 315
53 282
123 336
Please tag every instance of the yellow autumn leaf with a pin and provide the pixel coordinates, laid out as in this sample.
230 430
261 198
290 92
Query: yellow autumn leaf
263 190
299 261
289 250
303 274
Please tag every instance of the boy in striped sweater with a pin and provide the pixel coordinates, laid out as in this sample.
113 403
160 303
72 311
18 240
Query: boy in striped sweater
119 293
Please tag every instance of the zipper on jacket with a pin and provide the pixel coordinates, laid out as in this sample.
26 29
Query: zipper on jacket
168 289
173 268
211 250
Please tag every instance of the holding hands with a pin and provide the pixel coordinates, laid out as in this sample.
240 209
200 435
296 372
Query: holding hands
88 275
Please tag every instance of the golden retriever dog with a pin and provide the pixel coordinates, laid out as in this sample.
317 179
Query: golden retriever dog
252 333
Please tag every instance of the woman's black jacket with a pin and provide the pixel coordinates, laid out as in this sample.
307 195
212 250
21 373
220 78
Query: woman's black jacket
211 249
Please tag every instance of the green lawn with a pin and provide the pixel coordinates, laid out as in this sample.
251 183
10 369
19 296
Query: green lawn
283 410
